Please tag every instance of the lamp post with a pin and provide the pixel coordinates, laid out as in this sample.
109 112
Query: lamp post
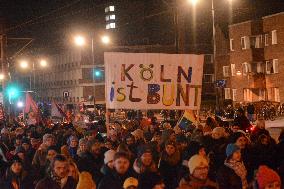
25 65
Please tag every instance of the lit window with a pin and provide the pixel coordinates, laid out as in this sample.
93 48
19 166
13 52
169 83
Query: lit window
274 37
226 71
112 25
208 78
245 43
108 26
232 44
112 17
107 18
234 95
233 69
111 8
266 39
227 93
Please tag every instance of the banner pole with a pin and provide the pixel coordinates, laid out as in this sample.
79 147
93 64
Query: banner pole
107 114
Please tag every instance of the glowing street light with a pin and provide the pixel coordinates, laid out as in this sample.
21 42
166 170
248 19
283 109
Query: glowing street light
193 2
239 73
105 39
24 64
20 104
43 63
79 40
2 76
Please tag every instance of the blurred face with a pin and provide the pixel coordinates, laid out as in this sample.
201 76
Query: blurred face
73 143
235 128
108 145
51 154
202 152
200 173
16 168
34 143
49 142
264 141
170 149
26 146
21 155
72 171
129 141
110 164
172 137
274 185
83 147
241 142
146 159
237 155
61 168
160 186
18 142
121 165
96 148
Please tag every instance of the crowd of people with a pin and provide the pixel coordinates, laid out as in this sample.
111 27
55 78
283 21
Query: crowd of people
154 156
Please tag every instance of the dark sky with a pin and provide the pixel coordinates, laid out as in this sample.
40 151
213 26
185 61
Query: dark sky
49 21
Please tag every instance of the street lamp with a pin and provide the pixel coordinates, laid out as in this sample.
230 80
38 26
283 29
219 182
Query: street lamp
193 2
2 76
24 64
79 40
43 63
105 39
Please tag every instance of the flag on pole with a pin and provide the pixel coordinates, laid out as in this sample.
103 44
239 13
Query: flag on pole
56 110
30 104
187 120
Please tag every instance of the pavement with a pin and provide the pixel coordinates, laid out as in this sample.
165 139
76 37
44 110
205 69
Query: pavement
275 127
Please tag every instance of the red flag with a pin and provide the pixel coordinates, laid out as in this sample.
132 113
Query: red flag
30 103
57 111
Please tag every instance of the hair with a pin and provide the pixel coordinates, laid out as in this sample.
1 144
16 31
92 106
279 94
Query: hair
118 155
58 157
72 163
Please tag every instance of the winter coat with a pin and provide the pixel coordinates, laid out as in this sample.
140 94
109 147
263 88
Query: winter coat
39 159
92 164
193 183
262 155
228 179
113 180
105 169
23 181
48 183
169 173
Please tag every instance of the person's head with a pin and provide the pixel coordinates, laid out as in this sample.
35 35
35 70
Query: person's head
198 167
94 147
145 155
72 141
17 166
86 181
51 153
239 139
109 156
233 152
48 140
26 144
130 140
263 139
218 133
130 183
260 123
267 178
73 170
60 166
170 148
234 128
83 145
121 162
35 142
182 142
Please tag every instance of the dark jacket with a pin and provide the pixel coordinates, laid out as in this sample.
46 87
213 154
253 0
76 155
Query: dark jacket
228 179
48 183
170 174
113 180
23 181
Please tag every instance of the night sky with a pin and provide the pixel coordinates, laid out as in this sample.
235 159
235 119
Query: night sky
49 21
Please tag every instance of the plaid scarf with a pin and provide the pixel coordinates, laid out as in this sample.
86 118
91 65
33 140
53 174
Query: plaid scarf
55 178
240 170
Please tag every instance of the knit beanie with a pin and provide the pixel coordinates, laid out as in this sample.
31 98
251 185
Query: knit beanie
197 161
266 176
131 181
109 156
231 148
220 131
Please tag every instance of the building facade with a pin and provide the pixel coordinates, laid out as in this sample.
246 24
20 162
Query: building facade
256 61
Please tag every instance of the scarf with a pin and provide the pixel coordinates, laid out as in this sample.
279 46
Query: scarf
55 178
240 169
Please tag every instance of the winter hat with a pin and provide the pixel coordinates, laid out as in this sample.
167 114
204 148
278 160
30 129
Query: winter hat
197 161
131 181
138 134
19 149
83 141
266 176
231 148
109 156
86 181
234 137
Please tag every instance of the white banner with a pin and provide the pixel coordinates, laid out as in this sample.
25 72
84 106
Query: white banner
153 81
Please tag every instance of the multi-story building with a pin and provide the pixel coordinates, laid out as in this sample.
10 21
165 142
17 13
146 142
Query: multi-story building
255 68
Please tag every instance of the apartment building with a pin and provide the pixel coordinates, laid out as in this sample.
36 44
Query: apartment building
256 61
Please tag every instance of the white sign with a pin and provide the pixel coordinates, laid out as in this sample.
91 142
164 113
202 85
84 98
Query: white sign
153 81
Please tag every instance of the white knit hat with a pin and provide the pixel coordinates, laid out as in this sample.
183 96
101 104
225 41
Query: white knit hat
197 161
109 156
